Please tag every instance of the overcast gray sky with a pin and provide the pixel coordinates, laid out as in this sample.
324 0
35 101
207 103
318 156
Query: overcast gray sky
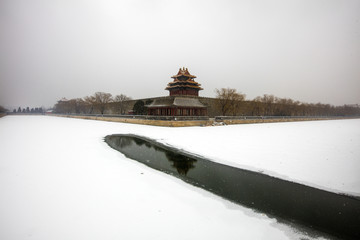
307 50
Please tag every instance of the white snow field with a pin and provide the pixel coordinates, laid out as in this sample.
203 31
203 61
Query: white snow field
60 180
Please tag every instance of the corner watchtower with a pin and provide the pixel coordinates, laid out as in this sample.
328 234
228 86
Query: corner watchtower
183 84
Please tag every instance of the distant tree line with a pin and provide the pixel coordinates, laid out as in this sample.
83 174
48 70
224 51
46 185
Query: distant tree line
232 103
228 102
99 102
29 110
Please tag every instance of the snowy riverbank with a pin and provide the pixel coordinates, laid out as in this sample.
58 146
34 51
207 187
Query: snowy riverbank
59 180
322 154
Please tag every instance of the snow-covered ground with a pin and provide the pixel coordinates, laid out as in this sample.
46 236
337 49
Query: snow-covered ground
60 180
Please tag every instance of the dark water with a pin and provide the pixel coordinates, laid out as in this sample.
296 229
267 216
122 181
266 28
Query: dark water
327 212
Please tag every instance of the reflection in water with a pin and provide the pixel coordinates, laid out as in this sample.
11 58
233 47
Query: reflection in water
332 213
182 163
122 142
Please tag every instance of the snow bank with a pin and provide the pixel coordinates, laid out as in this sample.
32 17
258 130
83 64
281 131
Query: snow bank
59 180
322 154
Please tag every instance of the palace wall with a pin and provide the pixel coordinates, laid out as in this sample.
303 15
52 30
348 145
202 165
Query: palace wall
210 103
213 110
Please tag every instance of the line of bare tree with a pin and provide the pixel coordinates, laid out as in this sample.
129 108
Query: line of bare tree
99 102
228 102
233 103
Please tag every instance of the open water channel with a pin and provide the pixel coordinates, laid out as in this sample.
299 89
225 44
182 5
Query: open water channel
295 204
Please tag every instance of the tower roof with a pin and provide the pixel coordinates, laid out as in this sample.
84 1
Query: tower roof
176 102
183 72
183 84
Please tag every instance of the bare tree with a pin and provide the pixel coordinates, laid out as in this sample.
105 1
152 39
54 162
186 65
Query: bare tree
99 101
80 106
268 101
257 107
229 101
120 103
284 107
